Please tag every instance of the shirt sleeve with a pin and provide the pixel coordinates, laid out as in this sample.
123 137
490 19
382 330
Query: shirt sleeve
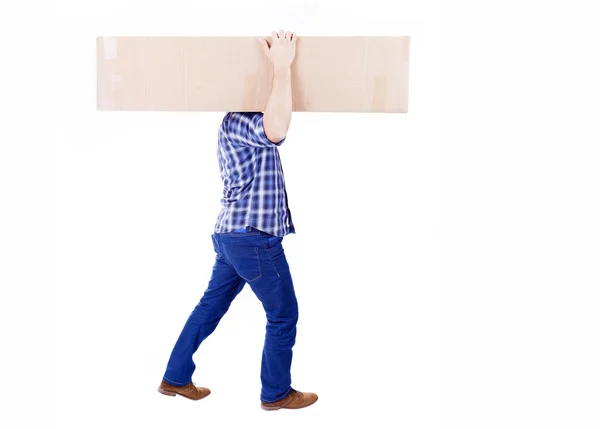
246 129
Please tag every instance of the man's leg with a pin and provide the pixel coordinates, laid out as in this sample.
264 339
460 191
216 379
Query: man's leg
225 284
275 290
259 258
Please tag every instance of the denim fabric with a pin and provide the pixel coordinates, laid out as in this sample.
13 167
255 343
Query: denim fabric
256 258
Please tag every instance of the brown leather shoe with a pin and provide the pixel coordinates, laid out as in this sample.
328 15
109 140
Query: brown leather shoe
294 400
190 390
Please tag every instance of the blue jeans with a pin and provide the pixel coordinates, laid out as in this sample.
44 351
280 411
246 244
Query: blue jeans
256 258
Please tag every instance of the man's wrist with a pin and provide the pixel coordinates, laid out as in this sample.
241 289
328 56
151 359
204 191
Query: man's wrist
282 71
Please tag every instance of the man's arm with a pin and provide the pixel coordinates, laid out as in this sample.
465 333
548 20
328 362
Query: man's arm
278 113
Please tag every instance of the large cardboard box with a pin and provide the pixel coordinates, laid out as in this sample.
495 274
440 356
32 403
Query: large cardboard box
329 74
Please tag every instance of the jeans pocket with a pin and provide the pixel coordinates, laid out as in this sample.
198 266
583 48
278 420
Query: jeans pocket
273 249
245 260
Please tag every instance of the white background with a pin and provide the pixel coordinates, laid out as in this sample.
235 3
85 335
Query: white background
445 261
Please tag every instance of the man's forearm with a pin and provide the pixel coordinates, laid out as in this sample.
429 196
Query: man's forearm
278 113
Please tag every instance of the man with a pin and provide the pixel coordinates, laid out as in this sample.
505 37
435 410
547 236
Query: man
247 240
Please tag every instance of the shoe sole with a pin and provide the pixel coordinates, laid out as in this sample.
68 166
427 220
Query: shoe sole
169 393
166 392
270 408
279 408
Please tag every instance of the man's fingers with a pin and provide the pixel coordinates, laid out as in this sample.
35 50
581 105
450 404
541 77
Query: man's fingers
294 37
281 34
287 35
274 35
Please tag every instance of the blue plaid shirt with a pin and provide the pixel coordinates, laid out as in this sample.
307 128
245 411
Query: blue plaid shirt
253 185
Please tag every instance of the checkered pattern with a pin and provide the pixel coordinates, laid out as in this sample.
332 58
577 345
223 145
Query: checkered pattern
253 184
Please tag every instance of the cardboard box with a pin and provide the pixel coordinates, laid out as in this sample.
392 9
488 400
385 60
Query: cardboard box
329 74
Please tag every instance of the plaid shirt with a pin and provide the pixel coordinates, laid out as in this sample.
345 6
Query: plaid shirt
253 185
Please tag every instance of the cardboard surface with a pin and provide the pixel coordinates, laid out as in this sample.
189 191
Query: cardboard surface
329 74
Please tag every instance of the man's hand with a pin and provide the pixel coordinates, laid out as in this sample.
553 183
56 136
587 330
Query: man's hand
282 51
278 113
